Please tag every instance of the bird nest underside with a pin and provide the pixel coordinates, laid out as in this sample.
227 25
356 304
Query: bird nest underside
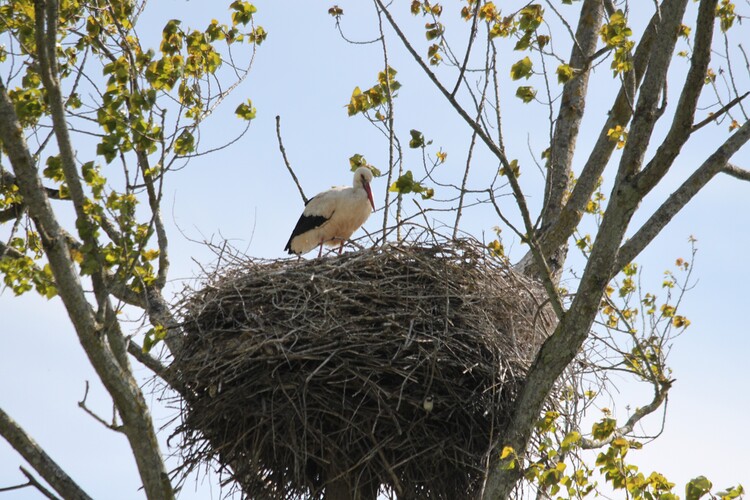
389 369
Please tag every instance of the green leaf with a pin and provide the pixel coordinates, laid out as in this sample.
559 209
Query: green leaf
185 143
732 493
54 169
434 30
109 147
526 94
513 168
356 161
243 12
564 73
524 42
697 488
570 440
406 184
604 428
726 15
508 458
531 17
417 139
149 341
521 69
246 111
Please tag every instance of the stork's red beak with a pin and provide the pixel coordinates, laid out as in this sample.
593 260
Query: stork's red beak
369 194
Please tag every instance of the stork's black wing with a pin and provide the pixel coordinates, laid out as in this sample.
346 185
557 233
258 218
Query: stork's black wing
304 224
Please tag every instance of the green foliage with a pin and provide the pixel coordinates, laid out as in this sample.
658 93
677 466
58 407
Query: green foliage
726 15
406 184
243 12
521 69
496 249
417 139
9 195
426 8
433 54
508 458
618 135
564 73
433 30
30 105
513 169
604 428
559 472
22 275
530 17
185 143
731 493
357 160
697 488
21 270
616 35
129 114
526 94
153 337
376 96
245 110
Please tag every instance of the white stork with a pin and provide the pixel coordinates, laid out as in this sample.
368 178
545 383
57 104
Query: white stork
332 216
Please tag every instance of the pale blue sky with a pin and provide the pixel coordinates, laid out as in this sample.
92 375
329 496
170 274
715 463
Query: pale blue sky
305 73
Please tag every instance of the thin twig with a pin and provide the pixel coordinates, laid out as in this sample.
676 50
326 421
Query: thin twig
472 37
32 482
286 161
82 405
724 109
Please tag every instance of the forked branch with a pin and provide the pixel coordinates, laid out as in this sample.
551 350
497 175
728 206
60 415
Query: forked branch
39 460
717 162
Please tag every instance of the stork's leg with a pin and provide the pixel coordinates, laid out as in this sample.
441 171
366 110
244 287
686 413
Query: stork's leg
320 252
341 246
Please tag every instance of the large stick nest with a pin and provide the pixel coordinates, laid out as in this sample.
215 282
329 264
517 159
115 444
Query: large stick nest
314 378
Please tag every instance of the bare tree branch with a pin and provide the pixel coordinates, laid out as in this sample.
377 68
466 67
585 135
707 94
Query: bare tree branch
562 346
107 357
32 482
286 160
724 109
572 107
391 136
717 162
540 261
736 172
682 123
155 366
620 114
472 37
661 391
154 202
82 405
39 460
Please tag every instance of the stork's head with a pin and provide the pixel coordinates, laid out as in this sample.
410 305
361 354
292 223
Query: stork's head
362 179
